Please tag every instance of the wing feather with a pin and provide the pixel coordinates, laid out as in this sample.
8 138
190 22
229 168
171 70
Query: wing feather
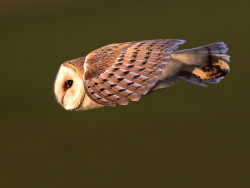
119 85
118 73
95 95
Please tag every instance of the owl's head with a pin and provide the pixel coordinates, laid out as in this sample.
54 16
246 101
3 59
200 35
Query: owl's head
69 89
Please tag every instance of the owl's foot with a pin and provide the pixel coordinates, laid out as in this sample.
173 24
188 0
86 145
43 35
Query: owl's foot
217 69
213 71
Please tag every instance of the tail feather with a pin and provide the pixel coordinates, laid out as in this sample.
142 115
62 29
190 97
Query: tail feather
214 48
201 66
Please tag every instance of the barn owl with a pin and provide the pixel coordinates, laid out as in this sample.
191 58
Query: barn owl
118 73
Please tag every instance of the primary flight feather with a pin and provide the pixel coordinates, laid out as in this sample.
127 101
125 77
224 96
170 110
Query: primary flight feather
123 72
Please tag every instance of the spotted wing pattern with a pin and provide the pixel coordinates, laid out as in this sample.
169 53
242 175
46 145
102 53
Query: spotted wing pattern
134 71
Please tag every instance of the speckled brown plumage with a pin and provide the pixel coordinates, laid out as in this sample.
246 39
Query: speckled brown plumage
121 72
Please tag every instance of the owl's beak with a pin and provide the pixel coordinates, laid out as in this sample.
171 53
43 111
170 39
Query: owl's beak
60 100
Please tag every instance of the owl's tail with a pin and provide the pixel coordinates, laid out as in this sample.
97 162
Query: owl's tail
205 64
202 65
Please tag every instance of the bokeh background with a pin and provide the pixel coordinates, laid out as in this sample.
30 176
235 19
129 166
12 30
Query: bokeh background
184 136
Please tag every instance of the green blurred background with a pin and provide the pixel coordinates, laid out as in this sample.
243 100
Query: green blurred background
184 136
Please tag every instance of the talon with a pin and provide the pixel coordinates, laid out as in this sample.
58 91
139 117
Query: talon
224 73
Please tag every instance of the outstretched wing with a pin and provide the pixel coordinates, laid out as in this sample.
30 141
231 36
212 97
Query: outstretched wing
118 73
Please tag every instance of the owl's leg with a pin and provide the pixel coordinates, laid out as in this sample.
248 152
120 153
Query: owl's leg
168 82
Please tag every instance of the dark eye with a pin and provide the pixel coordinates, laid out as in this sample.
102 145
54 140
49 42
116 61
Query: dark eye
69 83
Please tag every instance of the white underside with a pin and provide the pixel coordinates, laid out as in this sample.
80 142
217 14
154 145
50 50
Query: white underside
88 104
